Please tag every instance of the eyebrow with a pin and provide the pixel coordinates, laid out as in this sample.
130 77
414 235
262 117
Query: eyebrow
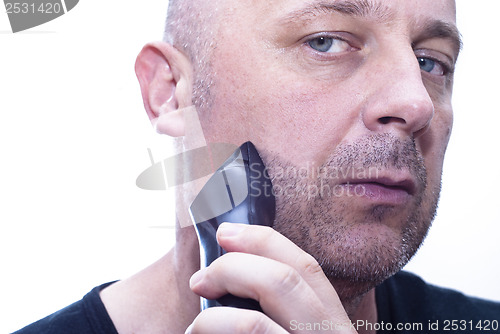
431 28
440 29
362 8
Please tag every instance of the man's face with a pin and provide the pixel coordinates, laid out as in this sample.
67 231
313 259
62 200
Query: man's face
349 104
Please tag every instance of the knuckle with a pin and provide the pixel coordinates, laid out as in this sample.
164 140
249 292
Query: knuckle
308 264
287 280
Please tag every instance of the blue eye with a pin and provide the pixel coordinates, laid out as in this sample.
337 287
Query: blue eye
321 44
328 45
430 66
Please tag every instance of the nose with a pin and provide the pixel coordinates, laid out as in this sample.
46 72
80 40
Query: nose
398 99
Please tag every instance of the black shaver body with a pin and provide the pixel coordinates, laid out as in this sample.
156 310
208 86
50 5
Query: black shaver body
240 191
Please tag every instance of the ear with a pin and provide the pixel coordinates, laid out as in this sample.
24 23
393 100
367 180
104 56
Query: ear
165 77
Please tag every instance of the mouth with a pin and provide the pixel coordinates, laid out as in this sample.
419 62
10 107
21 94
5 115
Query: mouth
382 190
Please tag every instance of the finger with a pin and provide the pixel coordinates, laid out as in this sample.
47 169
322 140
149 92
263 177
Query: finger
266 242
229 320
281 291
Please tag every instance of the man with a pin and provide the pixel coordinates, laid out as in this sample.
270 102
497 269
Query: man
356 93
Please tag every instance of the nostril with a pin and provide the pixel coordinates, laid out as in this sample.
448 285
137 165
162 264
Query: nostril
384 120
389 119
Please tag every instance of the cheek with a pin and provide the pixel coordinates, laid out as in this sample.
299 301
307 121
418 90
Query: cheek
434 142
295 118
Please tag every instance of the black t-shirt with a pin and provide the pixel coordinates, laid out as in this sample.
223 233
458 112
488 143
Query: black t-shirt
405 304
86 316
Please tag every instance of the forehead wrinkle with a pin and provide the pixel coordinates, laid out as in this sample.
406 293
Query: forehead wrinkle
360 8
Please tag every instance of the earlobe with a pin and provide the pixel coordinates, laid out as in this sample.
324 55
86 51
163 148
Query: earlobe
170 122
164 75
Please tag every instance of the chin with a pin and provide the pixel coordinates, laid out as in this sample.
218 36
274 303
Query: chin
357 250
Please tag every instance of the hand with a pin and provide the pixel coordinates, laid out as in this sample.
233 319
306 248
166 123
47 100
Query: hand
288 283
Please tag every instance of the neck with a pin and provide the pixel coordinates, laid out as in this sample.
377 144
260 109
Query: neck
186 261
363 309
358 299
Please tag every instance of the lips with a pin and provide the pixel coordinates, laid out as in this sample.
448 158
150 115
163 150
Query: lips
384 190
405 184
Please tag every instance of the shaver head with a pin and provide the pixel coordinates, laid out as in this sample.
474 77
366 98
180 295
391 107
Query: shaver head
240 191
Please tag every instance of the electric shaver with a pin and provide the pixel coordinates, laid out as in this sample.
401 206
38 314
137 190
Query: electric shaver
240 191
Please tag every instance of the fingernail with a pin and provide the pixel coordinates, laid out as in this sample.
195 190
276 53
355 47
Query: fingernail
196 278
230 229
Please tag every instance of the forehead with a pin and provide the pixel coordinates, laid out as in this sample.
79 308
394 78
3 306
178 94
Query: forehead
441 8
270 11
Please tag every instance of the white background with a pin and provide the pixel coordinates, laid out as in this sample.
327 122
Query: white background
74 137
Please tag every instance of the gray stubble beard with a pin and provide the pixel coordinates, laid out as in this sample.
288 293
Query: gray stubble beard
322 226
